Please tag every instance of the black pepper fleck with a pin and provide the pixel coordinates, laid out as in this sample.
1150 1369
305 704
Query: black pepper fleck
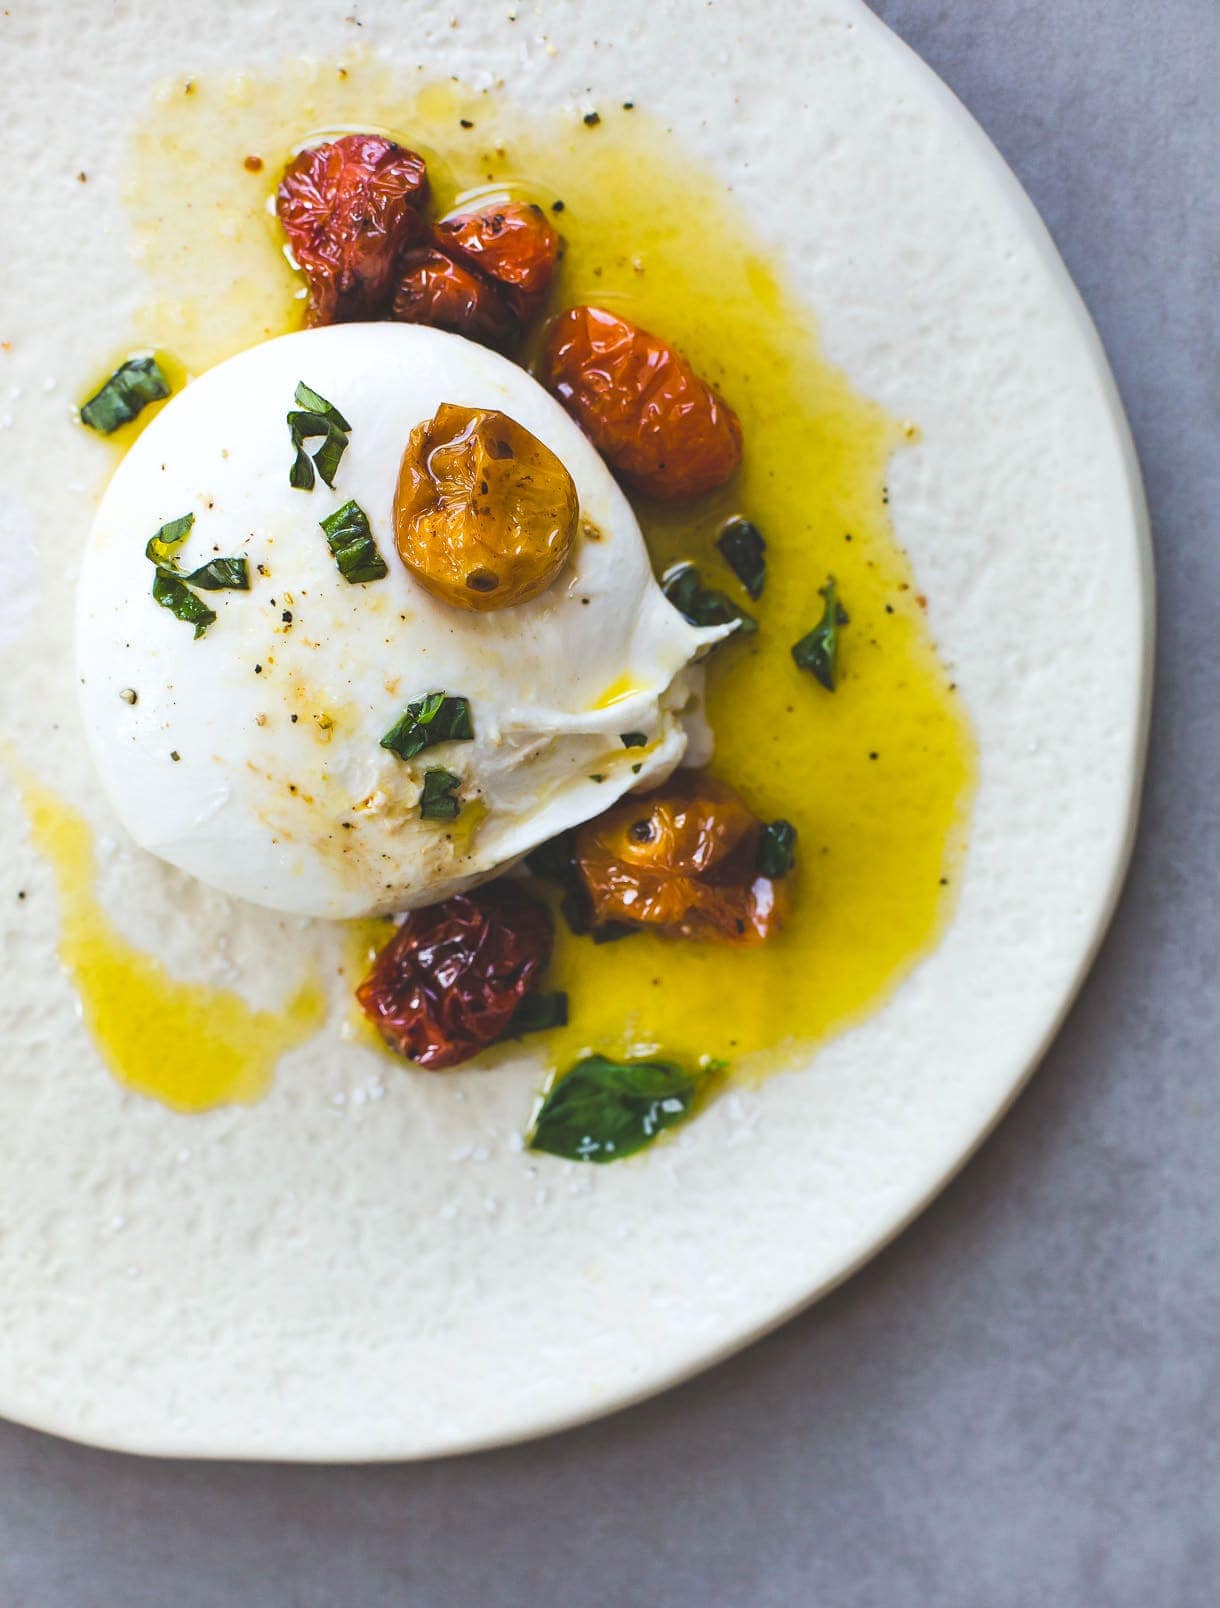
465 122
556 206
174 755
591 119
258 669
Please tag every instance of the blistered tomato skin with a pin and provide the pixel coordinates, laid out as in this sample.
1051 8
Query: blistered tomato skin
448 982
681 861
511 243
349 208
663 430
484 513
433 289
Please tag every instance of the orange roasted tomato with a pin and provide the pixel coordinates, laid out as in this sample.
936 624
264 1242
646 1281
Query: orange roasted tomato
684 862
512 243
349 208
450 980
434 289
662 429
484 513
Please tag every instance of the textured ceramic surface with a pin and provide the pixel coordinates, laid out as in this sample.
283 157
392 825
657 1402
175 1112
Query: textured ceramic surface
366 1267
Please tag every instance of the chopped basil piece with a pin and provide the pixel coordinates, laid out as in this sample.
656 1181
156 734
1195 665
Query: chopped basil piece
172 589
818 650
437 718
436 802
172 594
700 604
125 395
315 416
604 1110
163 547
221 575
555 861
313 403
633 739
351 541
745 552
776 849
537 1012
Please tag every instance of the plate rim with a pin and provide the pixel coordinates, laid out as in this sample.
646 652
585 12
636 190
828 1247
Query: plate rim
1024 213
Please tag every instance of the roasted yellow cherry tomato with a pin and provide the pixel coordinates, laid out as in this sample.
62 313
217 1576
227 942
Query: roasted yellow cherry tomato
484 513
682 861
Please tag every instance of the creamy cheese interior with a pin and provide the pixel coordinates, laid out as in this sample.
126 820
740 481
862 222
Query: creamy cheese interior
250 757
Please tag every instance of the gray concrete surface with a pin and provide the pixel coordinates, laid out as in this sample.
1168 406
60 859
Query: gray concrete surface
1019 1402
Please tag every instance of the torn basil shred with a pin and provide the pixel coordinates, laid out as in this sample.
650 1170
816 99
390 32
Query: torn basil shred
818 650
703 605
537 1012
437 718
745 552
172 589
350 539
162 548
776 853
437 801
221 575
603 1110
125 395
314 416
633 739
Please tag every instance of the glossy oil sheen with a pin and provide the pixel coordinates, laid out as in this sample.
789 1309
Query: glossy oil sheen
186 1044
878 776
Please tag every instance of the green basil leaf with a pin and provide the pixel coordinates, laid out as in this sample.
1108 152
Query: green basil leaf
818 650
745 552
315 416
221 575
604 1110
326 458
538 1012
776 853
438 718
633 739
172 593
436 802
125 395
310 400
351 541
304 427
163 547
301 474
702 605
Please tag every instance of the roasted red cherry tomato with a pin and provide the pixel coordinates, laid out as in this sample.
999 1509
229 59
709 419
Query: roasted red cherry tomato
682 861
447 984
662 429
349 208
510 242
434 289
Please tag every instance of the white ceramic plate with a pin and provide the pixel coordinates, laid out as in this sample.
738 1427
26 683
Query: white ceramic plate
328 1276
